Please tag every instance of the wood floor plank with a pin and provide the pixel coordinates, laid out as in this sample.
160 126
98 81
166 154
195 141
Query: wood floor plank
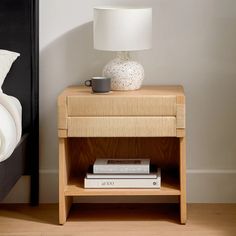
118 219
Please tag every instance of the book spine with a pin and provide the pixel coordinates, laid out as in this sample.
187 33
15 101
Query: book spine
121 169
122 183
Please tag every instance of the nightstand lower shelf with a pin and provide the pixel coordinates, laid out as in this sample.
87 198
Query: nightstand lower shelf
75 187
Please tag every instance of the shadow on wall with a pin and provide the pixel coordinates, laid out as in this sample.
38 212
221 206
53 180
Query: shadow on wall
69 60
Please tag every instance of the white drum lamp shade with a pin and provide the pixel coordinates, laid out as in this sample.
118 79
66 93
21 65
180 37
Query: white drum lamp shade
122 29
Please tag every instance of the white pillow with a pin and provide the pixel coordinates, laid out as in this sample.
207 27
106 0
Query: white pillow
6 60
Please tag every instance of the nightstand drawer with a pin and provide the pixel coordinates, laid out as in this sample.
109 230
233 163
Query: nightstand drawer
121 126
104 105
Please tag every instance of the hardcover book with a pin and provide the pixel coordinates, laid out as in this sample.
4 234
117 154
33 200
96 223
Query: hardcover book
121 166
124 183
151 175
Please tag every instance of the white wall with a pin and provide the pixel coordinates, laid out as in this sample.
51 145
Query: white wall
194 44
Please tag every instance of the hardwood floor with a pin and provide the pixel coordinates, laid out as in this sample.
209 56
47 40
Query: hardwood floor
115 220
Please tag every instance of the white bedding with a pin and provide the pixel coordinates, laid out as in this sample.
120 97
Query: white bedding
10 125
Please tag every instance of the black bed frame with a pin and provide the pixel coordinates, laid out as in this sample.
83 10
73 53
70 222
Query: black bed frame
19 33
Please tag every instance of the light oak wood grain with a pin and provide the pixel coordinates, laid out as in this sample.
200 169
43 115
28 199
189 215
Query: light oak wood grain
180 116
147 123
183 209
76 188
62 133
118 219
151 90
180 112
64 171
62 113
180 133
163 152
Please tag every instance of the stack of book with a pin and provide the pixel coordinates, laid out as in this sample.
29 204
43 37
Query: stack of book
123 173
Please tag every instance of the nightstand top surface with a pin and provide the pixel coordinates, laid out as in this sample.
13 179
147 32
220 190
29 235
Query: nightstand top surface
176 90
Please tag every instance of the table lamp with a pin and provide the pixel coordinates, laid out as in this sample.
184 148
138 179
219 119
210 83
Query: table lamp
123 30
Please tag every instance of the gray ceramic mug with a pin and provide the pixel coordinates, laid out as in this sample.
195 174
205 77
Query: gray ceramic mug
99 84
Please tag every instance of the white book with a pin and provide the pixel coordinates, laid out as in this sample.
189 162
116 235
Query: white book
154 183
151 175
121 166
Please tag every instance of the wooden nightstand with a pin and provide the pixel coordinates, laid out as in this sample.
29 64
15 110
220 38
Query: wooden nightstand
147 123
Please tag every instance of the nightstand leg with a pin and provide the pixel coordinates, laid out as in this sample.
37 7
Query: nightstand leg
64 170
183 204
64 208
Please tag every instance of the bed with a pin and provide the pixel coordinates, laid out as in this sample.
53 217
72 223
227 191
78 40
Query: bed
19 33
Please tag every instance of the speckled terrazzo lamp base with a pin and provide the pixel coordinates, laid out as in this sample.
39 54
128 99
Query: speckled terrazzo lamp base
125 73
